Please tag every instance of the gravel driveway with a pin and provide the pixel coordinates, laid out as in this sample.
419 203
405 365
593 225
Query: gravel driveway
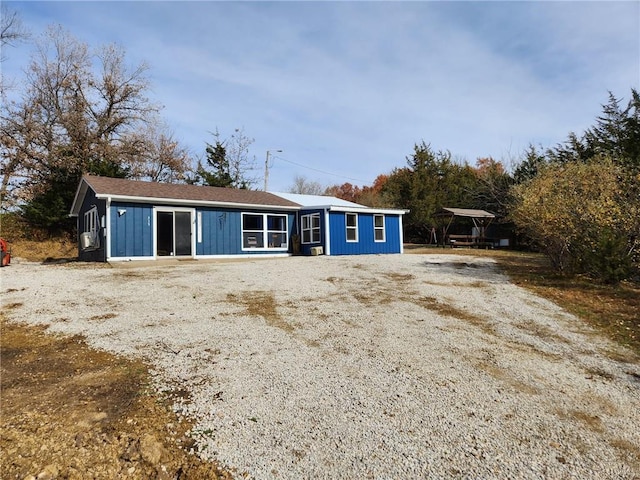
405 366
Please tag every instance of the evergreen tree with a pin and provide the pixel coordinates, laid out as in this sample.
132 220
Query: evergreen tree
615 135
430 181
530 166
219 174
617 132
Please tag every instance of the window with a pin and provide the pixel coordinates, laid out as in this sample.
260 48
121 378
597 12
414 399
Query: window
311 228
92 226
264 231
277 231
352 227
378 228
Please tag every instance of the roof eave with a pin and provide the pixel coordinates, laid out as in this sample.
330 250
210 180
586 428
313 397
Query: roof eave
201 203
81 192
385 211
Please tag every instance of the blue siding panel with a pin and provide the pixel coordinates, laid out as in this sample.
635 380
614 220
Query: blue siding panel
131 233
222 232
305 249
366 243
99 254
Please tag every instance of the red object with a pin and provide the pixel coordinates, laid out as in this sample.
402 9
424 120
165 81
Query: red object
5 253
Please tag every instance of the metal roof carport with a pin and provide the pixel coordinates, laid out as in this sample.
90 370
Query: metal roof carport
481 219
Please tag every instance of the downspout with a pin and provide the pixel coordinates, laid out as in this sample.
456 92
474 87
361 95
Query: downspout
327 234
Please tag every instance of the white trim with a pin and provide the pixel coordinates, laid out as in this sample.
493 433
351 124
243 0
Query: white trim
401 234
199 227
107 229
348 227
383 228
173 210
384 211
327 233
81 192
179 202
265 231
245 255
136 259
310 229
91 225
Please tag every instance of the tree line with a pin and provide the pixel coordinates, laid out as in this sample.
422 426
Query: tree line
83 110
578 202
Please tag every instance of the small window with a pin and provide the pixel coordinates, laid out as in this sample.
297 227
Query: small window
92 227
252 231
251 222
277 231
311 228
378 228
352 227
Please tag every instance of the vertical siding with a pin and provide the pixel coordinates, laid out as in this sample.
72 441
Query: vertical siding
305 249
131 233
366 243
99 254
222 231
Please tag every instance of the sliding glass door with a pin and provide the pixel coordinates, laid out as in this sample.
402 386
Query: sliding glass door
174 233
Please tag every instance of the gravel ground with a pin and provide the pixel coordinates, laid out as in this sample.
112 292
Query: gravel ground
407 366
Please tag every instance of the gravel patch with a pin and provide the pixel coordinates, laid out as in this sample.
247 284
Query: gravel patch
392 366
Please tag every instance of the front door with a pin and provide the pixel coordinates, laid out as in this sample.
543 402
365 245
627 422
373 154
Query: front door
173 233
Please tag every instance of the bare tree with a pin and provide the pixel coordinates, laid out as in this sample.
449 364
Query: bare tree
241 165
228 162
163 159
80 112
11 33
11 29
306 187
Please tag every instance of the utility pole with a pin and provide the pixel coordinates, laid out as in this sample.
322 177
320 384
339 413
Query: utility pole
266 169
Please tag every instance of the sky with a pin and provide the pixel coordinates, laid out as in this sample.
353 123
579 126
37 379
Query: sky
347 89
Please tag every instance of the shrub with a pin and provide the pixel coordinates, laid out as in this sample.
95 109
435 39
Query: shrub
584 216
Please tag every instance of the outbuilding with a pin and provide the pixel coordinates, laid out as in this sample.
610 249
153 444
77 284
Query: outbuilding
120 220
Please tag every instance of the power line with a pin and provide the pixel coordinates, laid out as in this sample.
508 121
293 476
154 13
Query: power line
321 171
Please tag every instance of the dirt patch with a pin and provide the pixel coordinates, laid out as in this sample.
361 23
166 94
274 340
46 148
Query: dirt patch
261 304
68 410
541 331
507 378
448 310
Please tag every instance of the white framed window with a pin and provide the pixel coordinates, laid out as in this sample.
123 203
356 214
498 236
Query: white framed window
311 228
264 231
92 226
378 228
352 227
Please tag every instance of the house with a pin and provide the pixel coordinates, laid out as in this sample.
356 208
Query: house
339 227
121 220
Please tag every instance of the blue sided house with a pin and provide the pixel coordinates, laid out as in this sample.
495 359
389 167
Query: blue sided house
121 220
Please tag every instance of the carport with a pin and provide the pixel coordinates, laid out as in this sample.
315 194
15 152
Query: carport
481 220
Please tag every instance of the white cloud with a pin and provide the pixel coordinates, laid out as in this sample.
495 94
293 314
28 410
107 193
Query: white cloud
349 87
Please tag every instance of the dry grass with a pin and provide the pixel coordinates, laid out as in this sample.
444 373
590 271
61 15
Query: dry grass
448 310
506 378
261 304
46 250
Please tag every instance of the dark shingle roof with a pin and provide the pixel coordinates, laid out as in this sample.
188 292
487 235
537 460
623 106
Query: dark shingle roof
134 189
